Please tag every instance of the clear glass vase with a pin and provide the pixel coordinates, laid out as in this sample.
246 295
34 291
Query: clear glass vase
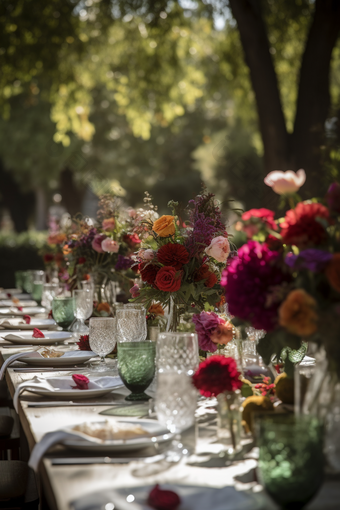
229 417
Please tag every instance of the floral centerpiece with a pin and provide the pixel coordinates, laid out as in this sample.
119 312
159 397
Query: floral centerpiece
181 262
292 291
100 249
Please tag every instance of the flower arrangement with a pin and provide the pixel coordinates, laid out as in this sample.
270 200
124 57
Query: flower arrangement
182 262
294 290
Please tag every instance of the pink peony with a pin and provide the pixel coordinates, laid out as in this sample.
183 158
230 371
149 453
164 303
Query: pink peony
218 249
146 254
109 224
285 182
97 243
109 245
134 291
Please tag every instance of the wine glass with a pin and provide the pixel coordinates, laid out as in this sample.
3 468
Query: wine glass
48 293
102 337
136 367
63 310
131 324
83 309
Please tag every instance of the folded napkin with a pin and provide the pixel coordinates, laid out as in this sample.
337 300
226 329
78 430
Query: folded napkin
17 336
9 322
193 498
54 384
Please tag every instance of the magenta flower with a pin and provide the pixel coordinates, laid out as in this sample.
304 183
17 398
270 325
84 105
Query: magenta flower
205 324
255 285
134 291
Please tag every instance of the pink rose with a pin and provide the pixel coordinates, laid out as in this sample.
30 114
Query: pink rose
285 182
109 224
109 245
219 249
134 291
146 254
97 243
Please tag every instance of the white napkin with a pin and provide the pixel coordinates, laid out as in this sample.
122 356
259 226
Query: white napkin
11 359
16 336
192 498
64 383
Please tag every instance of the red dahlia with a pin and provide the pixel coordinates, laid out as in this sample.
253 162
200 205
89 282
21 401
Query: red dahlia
131 240
48 257
216 375
84 343
204 273
168 279
172 254
301 226
266 215
148 272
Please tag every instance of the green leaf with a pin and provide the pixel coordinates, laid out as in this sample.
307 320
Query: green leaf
273 343
246 390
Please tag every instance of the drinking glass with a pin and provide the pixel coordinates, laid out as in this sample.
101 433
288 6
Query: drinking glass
102 337
48 293
27 281
18 275
177 352
290 459
63 310
83 300
131 324
136 367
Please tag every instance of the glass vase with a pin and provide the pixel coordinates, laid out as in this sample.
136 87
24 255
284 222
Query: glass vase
229 417
174 317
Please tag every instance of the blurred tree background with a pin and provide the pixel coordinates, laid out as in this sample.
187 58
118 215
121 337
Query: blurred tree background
161 96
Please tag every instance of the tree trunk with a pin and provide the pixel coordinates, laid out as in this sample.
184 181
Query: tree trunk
313 101
72 194
302 149
19 204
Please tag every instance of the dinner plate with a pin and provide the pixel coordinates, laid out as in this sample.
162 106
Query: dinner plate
157 433
35 323
21 296
11 291
25 337
192 498
26 310
5 303
71 358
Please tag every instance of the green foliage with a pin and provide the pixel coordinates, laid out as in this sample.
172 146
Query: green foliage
274 342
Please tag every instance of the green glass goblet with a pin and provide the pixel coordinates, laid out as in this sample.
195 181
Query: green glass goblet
63 310
136 367
18 275
290 459
37 290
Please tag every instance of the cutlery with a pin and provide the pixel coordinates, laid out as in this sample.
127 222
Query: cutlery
51 369
16 346
76 404
104 460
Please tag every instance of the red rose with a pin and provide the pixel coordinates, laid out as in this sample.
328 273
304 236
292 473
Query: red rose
132 240
168 279
48 257
301 226
84 343
82 382
172 254
37 333
205 274
163 500
148 272
81 260
266 215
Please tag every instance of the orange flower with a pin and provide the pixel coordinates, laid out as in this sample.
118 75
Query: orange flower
223 334
164 226
298 313
104 307
56 238
333 272
156 309
66 250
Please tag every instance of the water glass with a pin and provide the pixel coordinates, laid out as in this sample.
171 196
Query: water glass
177 352
18 275
102 338
49 291
131 324
83 309
136 367
291 462
63 311
27 281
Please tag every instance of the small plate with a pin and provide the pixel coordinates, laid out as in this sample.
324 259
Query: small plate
157 434
5 303
63 361
25 337
27 310
35 323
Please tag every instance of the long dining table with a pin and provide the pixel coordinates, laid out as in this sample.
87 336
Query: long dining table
68 478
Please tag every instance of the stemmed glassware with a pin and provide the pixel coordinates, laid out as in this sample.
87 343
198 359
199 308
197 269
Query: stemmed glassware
38 278
131 324
102 338
83 309
48 293
63 310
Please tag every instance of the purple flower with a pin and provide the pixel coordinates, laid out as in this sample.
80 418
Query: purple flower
205 324
255 285
311 259
123 263
333 197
